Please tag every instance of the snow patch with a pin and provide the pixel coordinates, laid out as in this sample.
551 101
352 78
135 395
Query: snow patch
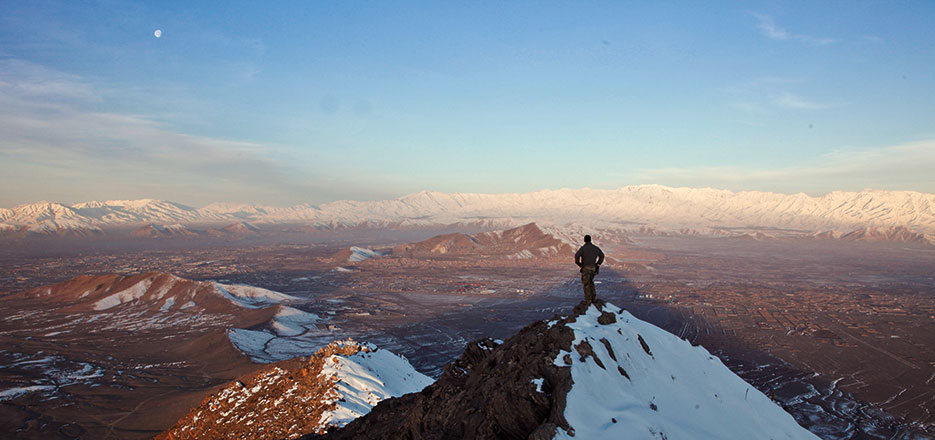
166 305
290 321
538 383
12 393
250 297
133 293
521 255
249 341
359 254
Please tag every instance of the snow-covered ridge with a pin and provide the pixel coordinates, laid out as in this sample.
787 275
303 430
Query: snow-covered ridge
599 373
635 380
656 206
364 379
340 382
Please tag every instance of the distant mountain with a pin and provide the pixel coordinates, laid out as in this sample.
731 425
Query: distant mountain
598 374
523 242
241 228
657 209
896 233
153 230
46 218
50 228
145 210
339 383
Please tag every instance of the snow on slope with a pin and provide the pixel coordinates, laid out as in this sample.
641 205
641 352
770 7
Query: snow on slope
641 382
599 373
654 205
245 296
251 297
363 380
290 321
160 300
340 382
359 254
132 293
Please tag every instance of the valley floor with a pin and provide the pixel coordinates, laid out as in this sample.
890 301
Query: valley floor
839 333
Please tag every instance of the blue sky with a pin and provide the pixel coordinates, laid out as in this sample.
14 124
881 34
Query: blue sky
290 102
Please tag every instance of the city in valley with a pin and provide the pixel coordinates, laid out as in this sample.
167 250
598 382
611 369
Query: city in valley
837 332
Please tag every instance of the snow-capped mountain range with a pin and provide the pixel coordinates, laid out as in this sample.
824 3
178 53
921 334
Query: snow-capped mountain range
644 208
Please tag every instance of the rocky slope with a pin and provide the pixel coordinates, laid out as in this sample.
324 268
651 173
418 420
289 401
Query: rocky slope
339 383
600 373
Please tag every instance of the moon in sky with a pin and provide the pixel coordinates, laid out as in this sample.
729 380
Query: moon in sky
158 33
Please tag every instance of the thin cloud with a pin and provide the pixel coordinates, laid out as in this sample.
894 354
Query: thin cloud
24 79
899 167
793 101
771 30
761 95
49 138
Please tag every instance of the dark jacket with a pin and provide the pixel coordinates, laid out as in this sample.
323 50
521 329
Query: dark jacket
589 255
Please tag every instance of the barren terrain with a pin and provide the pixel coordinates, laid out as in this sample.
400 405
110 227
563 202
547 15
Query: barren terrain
839 332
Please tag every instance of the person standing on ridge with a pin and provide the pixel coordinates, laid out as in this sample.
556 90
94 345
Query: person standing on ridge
589 258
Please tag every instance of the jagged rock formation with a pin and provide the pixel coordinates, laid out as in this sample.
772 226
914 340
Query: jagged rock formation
600 373
340 382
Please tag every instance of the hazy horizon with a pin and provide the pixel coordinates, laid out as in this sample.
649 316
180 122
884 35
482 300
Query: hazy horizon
290 103
261 203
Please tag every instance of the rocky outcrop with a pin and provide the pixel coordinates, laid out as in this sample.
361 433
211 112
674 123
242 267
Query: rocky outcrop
290 398
599 373
494 390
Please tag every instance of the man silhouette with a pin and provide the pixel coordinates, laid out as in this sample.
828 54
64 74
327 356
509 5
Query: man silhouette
589 258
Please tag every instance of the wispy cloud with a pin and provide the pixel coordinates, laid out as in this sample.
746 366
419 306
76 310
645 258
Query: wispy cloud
905 166
29 80
762 95
50 137
793 101
771 30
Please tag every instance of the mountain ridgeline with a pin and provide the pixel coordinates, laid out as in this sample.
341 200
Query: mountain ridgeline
867 215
